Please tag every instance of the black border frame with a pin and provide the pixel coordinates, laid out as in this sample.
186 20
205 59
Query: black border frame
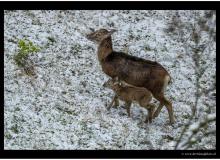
100 5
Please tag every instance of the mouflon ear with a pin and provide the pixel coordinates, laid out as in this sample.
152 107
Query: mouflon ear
112 31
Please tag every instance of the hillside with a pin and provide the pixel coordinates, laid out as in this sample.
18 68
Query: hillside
64 106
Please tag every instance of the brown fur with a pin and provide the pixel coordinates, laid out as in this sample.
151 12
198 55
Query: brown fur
133 70
104 49
129 94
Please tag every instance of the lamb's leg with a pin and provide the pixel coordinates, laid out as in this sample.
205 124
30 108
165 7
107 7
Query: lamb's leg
156 113
151 107
113 100
116 101
168 105
128 106
115 79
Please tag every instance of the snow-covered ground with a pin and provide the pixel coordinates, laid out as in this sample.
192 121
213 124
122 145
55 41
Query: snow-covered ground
65 106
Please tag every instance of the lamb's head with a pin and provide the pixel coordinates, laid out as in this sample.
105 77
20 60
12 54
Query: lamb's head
111 83
99 35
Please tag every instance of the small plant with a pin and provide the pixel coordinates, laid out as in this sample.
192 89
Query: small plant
26 47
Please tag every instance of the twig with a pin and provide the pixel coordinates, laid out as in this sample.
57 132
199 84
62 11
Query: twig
196 130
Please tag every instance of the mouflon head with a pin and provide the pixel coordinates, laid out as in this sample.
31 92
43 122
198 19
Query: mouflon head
99 35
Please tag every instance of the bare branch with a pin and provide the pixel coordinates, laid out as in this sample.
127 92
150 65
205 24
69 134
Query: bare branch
195 128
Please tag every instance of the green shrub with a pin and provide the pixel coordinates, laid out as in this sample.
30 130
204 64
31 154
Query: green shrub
26 47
